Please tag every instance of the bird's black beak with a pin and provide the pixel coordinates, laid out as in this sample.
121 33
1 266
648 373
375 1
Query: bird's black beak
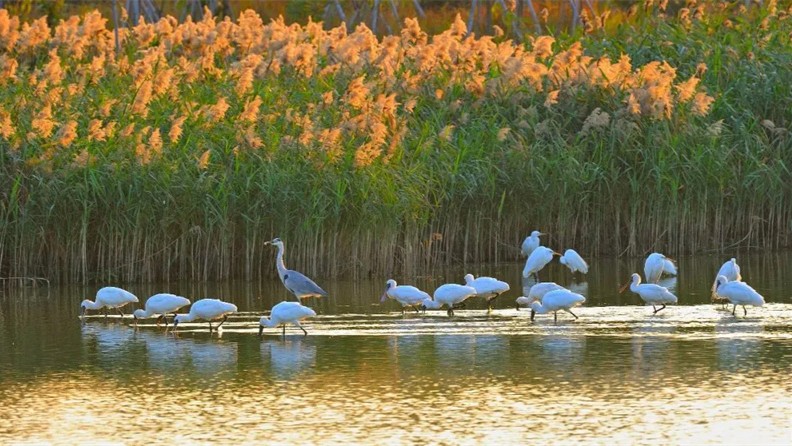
533 313
261 330
82 311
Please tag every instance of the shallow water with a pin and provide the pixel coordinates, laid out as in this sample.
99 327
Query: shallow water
367 374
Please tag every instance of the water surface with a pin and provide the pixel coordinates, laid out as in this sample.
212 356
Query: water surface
367 374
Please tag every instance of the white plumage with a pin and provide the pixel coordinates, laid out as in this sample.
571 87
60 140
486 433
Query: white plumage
652 293
530 243
451 294
540 257
537 292
406 295
286 313
574 262
487 287
108 297
555 301
656 265
208 310
161 304
731 271
738 293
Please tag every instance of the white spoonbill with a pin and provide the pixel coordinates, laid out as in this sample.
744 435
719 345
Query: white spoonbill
208 310
537 292
451 294
286 313
555 301
296 282
651 293
487 287
738 293
574 262
108 297
656 265
406 295
731 271
540 257
161 304
530 243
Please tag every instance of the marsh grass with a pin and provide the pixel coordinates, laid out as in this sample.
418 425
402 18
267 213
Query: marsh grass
461 176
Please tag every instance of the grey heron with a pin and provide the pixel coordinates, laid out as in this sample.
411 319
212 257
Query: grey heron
296 282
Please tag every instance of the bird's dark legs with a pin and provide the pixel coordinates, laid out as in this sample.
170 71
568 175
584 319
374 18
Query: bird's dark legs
734 309
573 314
745 311
656 311
105 313
159 320
451 310
210 326
555 316
305 333
416 309
284 330
120 312
222 322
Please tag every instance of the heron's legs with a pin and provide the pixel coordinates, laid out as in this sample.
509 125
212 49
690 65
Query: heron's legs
159 320
451 310
745 311
656 311
222 322
284 330
210 326
734 309
305 333
573 314
120 312
555 316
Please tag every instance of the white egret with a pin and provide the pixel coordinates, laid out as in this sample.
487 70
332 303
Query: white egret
555 301
651 293
487 287
406 295
574 262
540 257
451 294
296 282
731 271
161 304
208 310
530 243
108 297
656 265
537 292
738 293
286 313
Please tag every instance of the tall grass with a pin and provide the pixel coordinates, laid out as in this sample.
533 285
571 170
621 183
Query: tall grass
457 166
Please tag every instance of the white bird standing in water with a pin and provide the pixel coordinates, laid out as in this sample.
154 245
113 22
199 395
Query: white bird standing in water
451 294
537 292
540 257
656 265
530 243
208 310
406 295
738 293
651 293
731 271
487 287
555 301
286 313
161 304
108 297
296 282
574 262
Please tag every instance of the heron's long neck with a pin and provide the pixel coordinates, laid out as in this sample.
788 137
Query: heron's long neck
92 305
269 323
279 262
538 308
634 285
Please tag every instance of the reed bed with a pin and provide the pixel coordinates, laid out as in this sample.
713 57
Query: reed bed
179 156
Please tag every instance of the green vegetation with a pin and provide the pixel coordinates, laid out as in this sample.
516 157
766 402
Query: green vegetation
371 161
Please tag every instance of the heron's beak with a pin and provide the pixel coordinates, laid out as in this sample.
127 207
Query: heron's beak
556 254
533 313
268 243
261 330
624 287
